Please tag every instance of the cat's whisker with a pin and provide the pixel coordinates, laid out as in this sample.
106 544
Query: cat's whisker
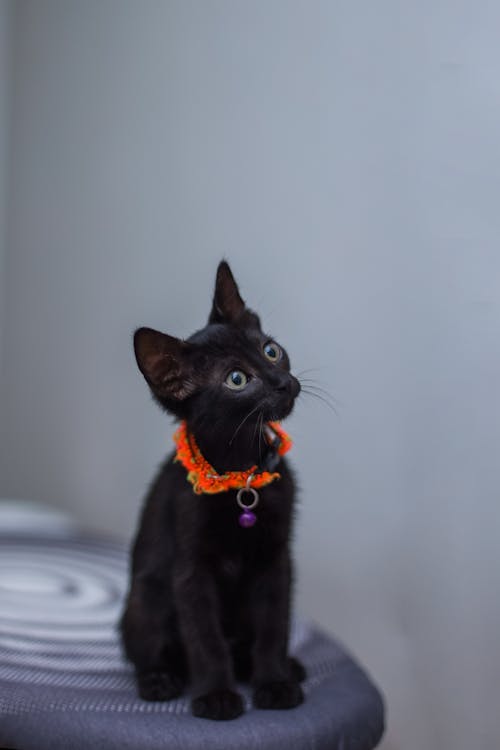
318 389
256 426
309 369
310 381
316 385
260 421
331 406
312 386
243 421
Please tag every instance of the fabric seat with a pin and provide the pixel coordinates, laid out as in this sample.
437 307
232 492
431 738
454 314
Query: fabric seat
65 685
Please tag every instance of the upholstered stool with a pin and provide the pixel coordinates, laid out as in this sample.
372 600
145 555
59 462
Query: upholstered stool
65 686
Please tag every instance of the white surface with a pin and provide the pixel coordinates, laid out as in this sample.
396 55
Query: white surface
345 158
28 517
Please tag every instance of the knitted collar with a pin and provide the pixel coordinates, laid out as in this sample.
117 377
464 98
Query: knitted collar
205 479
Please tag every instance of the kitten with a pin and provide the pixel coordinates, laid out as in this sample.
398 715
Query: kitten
209 596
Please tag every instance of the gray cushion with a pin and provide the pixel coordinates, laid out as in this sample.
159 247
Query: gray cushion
64 684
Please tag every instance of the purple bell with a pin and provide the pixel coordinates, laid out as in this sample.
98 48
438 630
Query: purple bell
247 519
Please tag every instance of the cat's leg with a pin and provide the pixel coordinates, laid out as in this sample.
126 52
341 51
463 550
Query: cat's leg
275 677
241 651
208 653
151 640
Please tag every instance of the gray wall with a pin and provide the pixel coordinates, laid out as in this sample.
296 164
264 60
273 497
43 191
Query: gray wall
345 158
6 28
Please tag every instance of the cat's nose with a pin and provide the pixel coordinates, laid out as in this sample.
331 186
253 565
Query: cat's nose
294 386
287 384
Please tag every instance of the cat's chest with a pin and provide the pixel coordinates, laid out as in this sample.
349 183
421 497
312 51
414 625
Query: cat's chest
224 531
234 568
236 555
230 569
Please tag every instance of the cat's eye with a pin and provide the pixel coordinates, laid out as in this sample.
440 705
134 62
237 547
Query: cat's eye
236 380
272 351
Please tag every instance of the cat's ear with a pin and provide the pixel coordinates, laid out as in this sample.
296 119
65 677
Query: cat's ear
164 362
228 306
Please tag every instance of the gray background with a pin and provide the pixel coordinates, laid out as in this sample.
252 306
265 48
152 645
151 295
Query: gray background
344 156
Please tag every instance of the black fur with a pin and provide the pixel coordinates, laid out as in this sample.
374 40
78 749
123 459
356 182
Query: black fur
209 601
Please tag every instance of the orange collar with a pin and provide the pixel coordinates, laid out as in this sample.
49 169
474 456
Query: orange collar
205 479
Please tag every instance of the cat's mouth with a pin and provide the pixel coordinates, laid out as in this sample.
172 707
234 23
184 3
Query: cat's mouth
279 414
281 407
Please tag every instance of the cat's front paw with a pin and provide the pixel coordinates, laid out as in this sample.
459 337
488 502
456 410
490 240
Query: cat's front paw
278 695
219 705
159 686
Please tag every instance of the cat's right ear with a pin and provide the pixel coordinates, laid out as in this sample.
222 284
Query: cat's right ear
228 306
163 360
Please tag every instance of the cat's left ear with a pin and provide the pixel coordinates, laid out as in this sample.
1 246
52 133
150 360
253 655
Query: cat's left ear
228 306
164 362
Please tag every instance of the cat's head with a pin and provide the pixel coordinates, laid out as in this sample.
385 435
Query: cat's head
228 371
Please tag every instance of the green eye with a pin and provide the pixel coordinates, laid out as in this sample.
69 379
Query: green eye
236 380
272 351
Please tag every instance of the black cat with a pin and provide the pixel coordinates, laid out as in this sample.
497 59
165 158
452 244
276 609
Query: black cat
209 597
